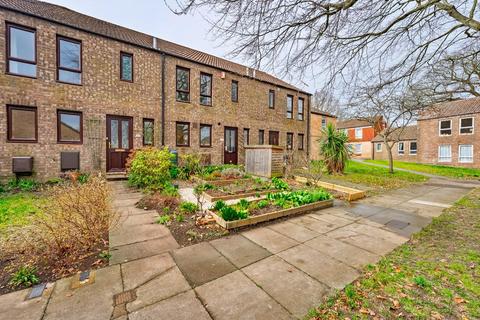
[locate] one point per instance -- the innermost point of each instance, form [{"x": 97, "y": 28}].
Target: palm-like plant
[{"x": 334, "y": 149}]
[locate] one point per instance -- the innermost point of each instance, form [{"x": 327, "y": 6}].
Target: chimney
[
  {"x": 247, "y": 70},
  {"x": 254, "y": 72},
  {"x": 154, "y": 44}
]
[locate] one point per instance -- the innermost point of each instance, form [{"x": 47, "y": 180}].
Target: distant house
[
  {"x": 318, "y": 121},
  {"x": 360, "y": 135},
  {"x": 405, "y": 149},
  {"x": 448, "y": 136}
]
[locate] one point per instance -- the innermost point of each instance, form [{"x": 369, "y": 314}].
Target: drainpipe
[
  {"x": 163, "y": 99},
  {"x": 308, "y": 128}
]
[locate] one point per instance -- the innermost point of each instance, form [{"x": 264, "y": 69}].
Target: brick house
[
  {"x": 448, "y": 136},
  {"x": 405, "y": 149},
  {"x": 75, "y": 87},
  {"x": 360, "y": 135},
  {"x": 318, "y": 121}
]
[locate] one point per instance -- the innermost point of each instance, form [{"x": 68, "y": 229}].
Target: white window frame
[
  {"x": 355, "y": 148},
  {"x": 459, "y": 154},
  {"x": 401, "y": 152},
  {"x": 440, "y": 128},
  {"x": 377, "y": 145},
  {"x": 460, "y": 126},
  {"x": 410, "y": 148},
  {"x": 324, "y": 122},
  {"x": 361, "y": 133},
  {"x": 445, "y": 160}
]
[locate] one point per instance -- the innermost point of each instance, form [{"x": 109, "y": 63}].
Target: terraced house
[{"x": 81, "y": 93}]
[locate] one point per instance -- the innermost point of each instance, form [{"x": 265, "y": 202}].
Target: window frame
[
  {"x": 237, "y": 91},
  {"x": 59, "y": 68},
  {"x": 439, "y": 148},
  {"x": 410, "y": 148},
  {"x": 261, "y": 133},
  {"x": 440, "y": 128},
  {"x": 355, "y": 133},
  {"x": 287, "y": 146},
  {"x": 302, "y": 114},
  {"x": 176, "y": 131},
  {"x": 127, "y": 54},
  {"x": 144, "y": 120},
  {"x": 377, "y": 149},
  {"x": 211, "y": 89},
  {"x": 355, "y": 148},
  {"x": 301, "y": 137},
  {"x": 289, "y": 114},
  {"x": 9, "y": 123},
  {"x": 176, "y": 84},
  {"x": 59, "y": 136},
  {"x": 401, "y": 151},
  {"x": 204, "y": 125},
  {"x": 324, "y": 122},
  {"x": 271, "y": 92},
  {"x": 459, "y": 153},
  {"x": 460, "y": 126},
  {"x": 275, "y": 133},
  {"x": 247, "y": 132},
  {"x": 8, "y": 26}
]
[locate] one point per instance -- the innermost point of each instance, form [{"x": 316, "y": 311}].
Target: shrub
[
  {"x": 169, "y": 189},
  {"x": 262, "y": 204},
  {"x": 188, "y": 207},
  {"x": 231, "y": 214},
  {"x": 279, "y": 184},
  {"x": 25, "y": 276},
  {"x": 232, "y": 173},
  {"x": 219, "y": 205},
  {"x": 149, "y": 168},
  {"x": 160, "y": 202},
  {"x": 334, "y": 149},
  {"x": 243, "y": 204},
  {"x": 83, "y": 177},
  {"x": 190, "y": 164}
]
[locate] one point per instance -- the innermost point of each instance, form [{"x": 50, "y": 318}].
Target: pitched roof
[
  {"x": 73, "y": 19},
  {"x": 353, "y": 123},
  {"x": 323, "y": 113},
  {"x": 407, "y": 133},
  {"x": 451, "y": 109}
]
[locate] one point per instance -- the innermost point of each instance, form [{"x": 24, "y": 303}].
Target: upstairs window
[
  {"x": 21, "y": 51},
  {"x": 300, "y": 141},
  {"x": 465, "y": 153},
  {"x": 246, "y": 136},
  {"x": 271, "y": 99},
  {"x": 69, "y": 60},
  {"x": 445, "y": 127},
  {"x": 182, "y": 134},
  {"x": 126, "y": 66},
  {"x": 413, "y": 147},
  {"x": 289, "y": 141},
  {"x": 205, "y": 135},
  {"x": 445, "y": 153},
  {"x": 206, "y": 89},
  {"x": 234, "y": 91},
  {"x": 401, "y": 148},
  {"x": 324, "y": 122},
  {"x": 69, "y": 127},
  {"x": 148, "y": 132},
  {"x": 358, "y": 133},
  {"x": 261, "y": 136},
  {"x": 300, "y": 109},
  {"x": 22, "y": 124},
  {"x": 289, "y": 107},
  {"x": 183, "y": 84},
  {"x": 466, "y": 126}
]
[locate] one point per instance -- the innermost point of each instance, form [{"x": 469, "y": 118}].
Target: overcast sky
[{"x": 154, "y": 18}]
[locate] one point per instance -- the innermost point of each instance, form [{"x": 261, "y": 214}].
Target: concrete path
[{"x": 278, "y": 271}]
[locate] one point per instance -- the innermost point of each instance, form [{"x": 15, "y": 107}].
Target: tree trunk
[{"x": 390, "y": 156}]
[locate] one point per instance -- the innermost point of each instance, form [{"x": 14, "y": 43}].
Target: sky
[{"x": 155, "y": 18}]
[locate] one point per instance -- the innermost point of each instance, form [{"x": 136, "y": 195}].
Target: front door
[
  {"x": 231, "y": 146},
  {"x": 119, "y": 142}
]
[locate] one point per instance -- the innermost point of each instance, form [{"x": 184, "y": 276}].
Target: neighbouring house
[
  {"x": 318, "y": 122},
  {"x": 406, "y": 147},
  {"x": 447, "y": 134},
  {"x": 81, "y": 93},
  {"x": 360, "y": 134}
]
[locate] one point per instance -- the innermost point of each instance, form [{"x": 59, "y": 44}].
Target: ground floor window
[
  {"x": 246, "y": 136},
  {"x": 465, "y": 153},
  {"x": 22, "y": 124},
  {"x": 358, "y": 148},
  {"x": 413, "y": 147},
  {"x": 445, "y": 153},
  {"x": 148, "y": 132},
  {"x": 300, "y": 141},
  {"x": 205, "y": 135},
  {"x": 401, "y": 148},
  {"x": 183, "y": 134},
  {"x": 273, "y": 138},
  {"x": 261, "y": 136},
  {"x": 289, "y": 141},
  {"x": 69, "y": 127},
  {"x": 378, "y": 147}
]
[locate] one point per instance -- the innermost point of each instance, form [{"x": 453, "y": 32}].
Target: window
[
  {"x": 300, "y": 109},
  {"x": 234, "y": 91},
  {"x": 183, "y": 84},
  {"x": 466, "y": 126},
  {"x": 206, "y": 89},
  {"x": 324, "y": 122},
  {"x": 401, "y": 148},
  {"x": 21, "y": 51},
  {"x": 22, "y": 124},
  {"x": 261, "y": 136},
  {"x": 413, "y": 147},
  {"x": 148, "y": 132},
  {"x": 273, "y": 138},
  {"x": 69, "y": 60},
  {"x": 378, "y": 147},
  {"x": 271, "y": 99},
  {"x": 183, "y": 134},
  {"x": 300, "y": 141},
  {"x": 289, "y": 141},
  {"x": 358, "y": 133},
  {"x": 465, "y": 153},
  {"x": 358, "y": 148},
  {"x": 289, "y": 107},
  {"x": 205, "y": 135},
  {"x": 445, "y": 127},
  {"x": 246, "y": 136},
  {"x": 69, "y": 127},
  {"x": 444, "y": 153},
  {"x": 126, "y": 66}
]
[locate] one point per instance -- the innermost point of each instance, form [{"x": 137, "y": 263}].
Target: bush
[
  {"x": 190, "y": 165},
  {"x": 25, "y": 185},
  {"x": 219, "y": 205},
  {"x": 25, "y": 276},
  {"x": 262, "y": 204},
  {"x": 279, "y": 184},
  {"x": 231, "y": 214},
  {"x": 232, "y": 173},
  {"x": 334, "y": 149},
  {"x": 188, "y": 207},
  {"x": 149, "y": 168}
]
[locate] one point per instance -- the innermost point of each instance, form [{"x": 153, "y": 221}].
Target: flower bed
[
  {"x": 276, "y": 205},
  {"x": 244, "y": 188}
]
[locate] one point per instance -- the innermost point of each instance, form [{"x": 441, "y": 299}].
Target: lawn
[
  {"x": 16, "y": 208},
  {"x": 433, "y": 276},
  {"x": 447, "y": 171},
  {"x": 375, "y": 177}
]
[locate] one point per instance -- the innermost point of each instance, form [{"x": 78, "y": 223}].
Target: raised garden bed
[
  {"x": 244, "y": 189},
  {"x": 349, "y": 194},
  {"x": 220, "y": 182}
]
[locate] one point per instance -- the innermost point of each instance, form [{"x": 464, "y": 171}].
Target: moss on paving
[{"x": 436, "y": 275}]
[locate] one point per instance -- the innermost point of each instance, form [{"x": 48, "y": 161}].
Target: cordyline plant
[{"x": 334, "y": 149}]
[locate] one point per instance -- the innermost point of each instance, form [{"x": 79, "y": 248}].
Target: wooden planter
[
  {"x": 236, "y": 196},
  {"x": 271, "y": 215},
  {"x": 219, "y": 182},
  {"x": 350, "y": 193}
]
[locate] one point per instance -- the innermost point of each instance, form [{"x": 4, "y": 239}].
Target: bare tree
[{"x": 324, "y": 100}]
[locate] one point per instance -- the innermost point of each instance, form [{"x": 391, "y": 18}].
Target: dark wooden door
[
  {"x": 119, "y": 142},
  {"x": 273, "y": 138},
  {"x": 230, "y": 156}
]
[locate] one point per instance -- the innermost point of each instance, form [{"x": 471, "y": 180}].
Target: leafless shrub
[{"x": 311, "y": 170}]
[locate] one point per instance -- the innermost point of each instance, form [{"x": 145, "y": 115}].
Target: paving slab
[
  {"x": 332, "y": 220},
  {"x": 294, "y": 231},
  {"x": 239, "y": 250},
  {"x": 14, "y": 306},
  {"x": 296, "y": 291},
  {"x": 363, "y": 209},
  {"x": 234, "y": 296},
  {"x": 444, "y": 195},
  {"x": 269, "y": 239},
  {"x": 376, "y": 232},
  {"x": 124, "y": 203},
  {"x": 202, "y": 263},
  {"x": 143, "y": 249},
  {"x": 138, "y": 272},
  {"x": 127, "y": 220},
  {"x": 324, "y": 268},
  {"x": 132, "y": 211},
  {"x": 91, "y": 301},
  {"x": 371, "y": 243},
  {"x": 166, "y": 285},
  {"x": 314, "y": 224},
  {"x": 124, "y": 235},
  {"x": 184, "y": 306}
]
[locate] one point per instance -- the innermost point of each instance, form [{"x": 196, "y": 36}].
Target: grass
[
  {"x": 16, "y": 208},
  {"x": 433, "y": 276},
  {"x": 377, "y": 178},
  {"x": 446, "y": 171}
]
